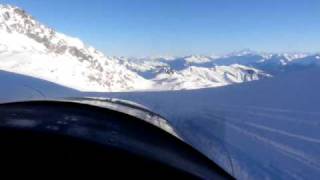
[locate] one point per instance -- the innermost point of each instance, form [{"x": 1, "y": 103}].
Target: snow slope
[
  {"x": 266, "y": 129},
  {"x": 271, "y": 62},
  {"x": 16, "y": 87},
  {"x": 255, "y": 130},
  {"x": 29, "y": 47},
  {"x": 198, "y": 77},
  {"x": 191, "y": 73},
  {"x": 194, "y": 72}
]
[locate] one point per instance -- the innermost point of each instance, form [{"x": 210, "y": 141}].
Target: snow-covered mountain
[
  {"x": 191, "y": 72},
  {"x": 198, "y": 77},
  {"x": 29, "y": 47},
  {"x": 271, "y": 63},
  {"x": 266, "y": 129}
]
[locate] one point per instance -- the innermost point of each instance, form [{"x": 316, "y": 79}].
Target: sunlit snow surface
[
  {"x": 264, "y": 129},
  {"x": 257, "y": 130}
]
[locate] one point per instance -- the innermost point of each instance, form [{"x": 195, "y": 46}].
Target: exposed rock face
[{"x": 95, "y": 71}]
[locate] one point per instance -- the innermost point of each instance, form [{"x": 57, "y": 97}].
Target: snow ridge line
[
  {"x": 313, "y": 140},
  {"x": 254, "y": 113},
  {"x": 284, "y": 149}
]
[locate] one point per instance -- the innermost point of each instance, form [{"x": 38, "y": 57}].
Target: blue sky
[{"x": 183, "y": 27}]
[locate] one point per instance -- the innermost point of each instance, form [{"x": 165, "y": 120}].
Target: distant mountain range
[{"x": 29, "y": 47}]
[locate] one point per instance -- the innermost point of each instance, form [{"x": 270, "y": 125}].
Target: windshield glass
[{"x": 237, "y": 80}]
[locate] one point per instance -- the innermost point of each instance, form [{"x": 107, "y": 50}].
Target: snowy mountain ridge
[
  {"x": 259, "y": 60},
  {"x": 28, "y": 47},
  {"x": 195, "y": 77},
  {"x": 31, "y": 48}
]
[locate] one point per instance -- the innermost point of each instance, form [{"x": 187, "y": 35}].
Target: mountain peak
[
  {"x": 242, "y": 52},
  {"x": 40, "y": 51},
  {"x": 197, "y": 59},
  {"x": 8, "y": 6},
  {"x": 13, "y": 18}
]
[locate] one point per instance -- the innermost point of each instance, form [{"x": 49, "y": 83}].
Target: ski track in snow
[
  {"x": 285, "y": 133},
  {"x": 244, "y": 127}
]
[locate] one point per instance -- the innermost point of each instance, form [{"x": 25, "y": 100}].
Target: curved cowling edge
[
  {"x": 130, "y": 108},
  {"x": 103, "y": 122}
]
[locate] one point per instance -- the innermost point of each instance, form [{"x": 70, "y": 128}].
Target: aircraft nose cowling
[{"x": 79, "y": 135}]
